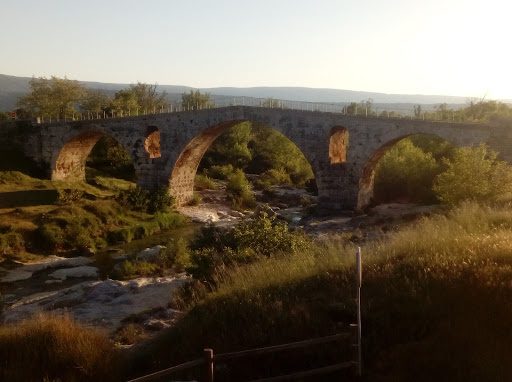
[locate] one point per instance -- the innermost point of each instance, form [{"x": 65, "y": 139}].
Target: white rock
[
  {"x": 16, "y": 275},
  {"x": 103, "y": 303},
  {"x": 150, "y": 254},
  {"x": 83, "y": 271}
]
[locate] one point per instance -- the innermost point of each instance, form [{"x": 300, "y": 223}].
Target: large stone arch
[
  {"x": 181, "y": 181},
  {"x": 367, "y": 172},
  {"x": 71, "y": 158}
]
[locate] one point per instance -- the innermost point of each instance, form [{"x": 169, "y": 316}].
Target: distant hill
[{"x": 11, "y": 88}]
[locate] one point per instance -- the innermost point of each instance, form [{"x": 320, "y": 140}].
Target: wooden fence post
[{"x": 208, "y": 365}]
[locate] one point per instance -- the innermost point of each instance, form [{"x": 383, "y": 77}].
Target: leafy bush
[
  {"x": 220, "y": 172},
  {"x": 204, "y": 182},
  {"x": 216, "y": 250},
  {"x": 473, "y": 174},
  {"x": 176, "y": 254},
  {"x": 238, "y": 191},
  {"x": 142, "y": 200}
]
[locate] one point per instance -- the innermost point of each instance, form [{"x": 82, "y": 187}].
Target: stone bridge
[{"x": 166, "y": 148}]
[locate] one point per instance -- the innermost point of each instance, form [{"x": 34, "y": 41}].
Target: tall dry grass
[
  {"x": 56, "y": 349},
  {"x": 436, "y": 302}
]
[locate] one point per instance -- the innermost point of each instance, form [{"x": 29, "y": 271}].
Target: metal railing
[{"x": 320, "y": 107}]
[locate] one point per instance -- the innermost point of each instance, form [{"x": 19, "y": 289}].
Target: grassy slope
[
  {"x": 435, "y": 303},
  {"x": 76, "y": 215}
]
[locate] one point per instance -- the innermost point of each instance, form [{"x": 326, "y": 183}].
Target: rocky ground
[{"x": 72, "y": 285}]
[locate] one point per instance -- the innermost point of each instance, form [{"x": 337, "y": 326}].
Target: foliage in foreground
[
  {"x": 473, "y": 174},
  {"x": 435, "y": 302},
  {"x": 55, "y": 349}
]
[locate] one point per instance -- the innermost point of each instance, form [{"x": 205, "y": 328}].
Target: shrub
[
  {"x": 11, "y": 243},
  {"x": 204, "y": 182},
  {"x": 405, "y": 172},
  {"x": 50, "y": 237},
  {"x": 69, "y": 195},
  {"x": 169, "y": 220},
  {"x": 473, "y": 174},
  {"x": 130, "y": 269},
  {"x": 238, "y": 191},
  {"x": 176, "y": 254},
  {"x": 138, "y": 199},
  {"x": 216, "y": 250},
  {"x": 273, "y": 177},
  {"x": 220, "y": 172},
  {"x": 123, "y": 235},
  {"x": 196, "y": 200}
]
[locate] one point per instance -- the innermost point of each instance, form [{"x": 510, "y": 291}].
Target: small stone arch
[
  {"x": 152, "y": 142},
  {"x": 71, "y": 160},
  {"x": 366, "y": 180},
  {"x": 338, "y": 144}
]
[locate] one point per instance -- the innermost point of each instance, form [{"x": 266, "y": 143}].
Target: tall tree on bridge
[
  {"x": 148, "y": 99},
  {"x": 195, "y": 100},
  {"x": 54, "y": 97}
]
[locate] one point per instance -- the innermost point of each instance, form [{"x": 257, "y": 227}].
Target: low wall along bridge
[{"x": 166, "y": 148}]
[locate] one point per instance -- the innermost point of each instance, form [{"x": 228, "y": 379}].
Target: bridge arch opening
[
  {"x": 152, "y": 142},
  {"x": 92, "y": 154},
  {"x": 229, "y": 146},
  {"x": 403, "y": 170},
  {"x": 338, "y": 144}
]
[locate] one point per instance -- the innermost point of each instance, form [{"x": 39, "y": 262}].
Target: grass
[
  {"x": 56, "y": 349},
  {"x": 45, "y": 216},
  {"x": 435, "y": 303}
]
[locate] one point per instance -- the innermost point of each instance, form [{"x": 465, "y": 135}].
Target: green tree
[
  {"x": 351, "y": 109},
  {"x": 148, "y": 98},
  {"x": 125, "y": 102},
  {"x": 230, "y": 148},
  {"x": 272, "y": 150},
  {"x": 417, "y": 111},
  {"x": 473, "y": 174},
  {"x": 195, "y": 100},
  {"x": 54, "y": 97},
  {"x": 96, "y": 101}
]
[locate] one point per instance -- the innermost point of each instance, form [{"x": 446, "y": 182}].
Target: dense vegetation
[{"x": 427, "y": 169}]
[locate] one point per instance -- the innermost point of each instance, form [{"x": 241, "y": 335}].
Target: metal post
[{"x": 359, "y": 283}]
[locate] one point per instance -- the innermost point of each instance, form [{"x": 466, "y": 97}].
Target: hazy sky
[{"x": 449, "y": 47}]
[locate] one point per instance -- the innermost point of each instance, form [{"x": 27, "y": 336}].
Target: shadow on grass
[{"x": 28, "y": 198}]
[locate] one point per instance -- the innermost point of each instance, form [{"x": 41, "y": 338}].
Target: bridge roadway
[{"x": 166, "y": 148}]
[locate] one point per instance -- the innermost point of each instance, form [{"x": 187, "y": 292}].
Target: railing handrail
[
  {"x": 275, "y": 348},
  {"x": 163, "y": 373}
]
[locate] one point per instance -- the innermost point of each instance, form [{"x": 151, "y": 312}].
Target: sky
[{"x": 434, "y": 47}]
